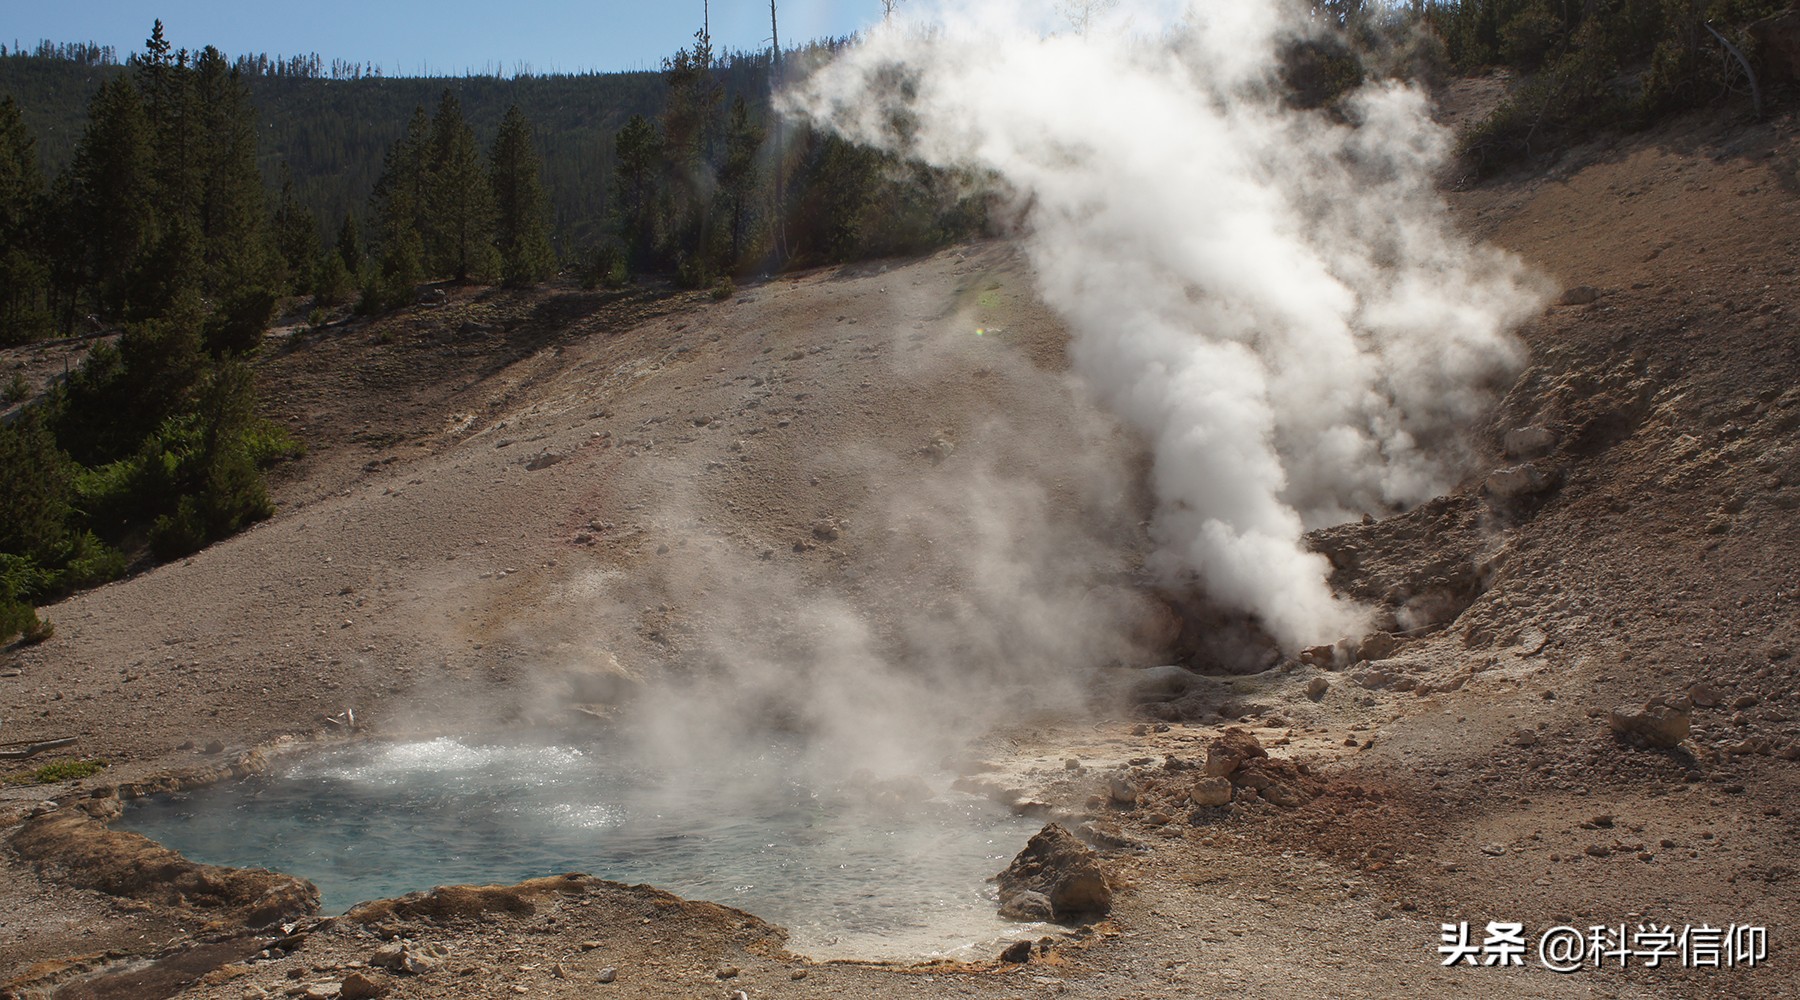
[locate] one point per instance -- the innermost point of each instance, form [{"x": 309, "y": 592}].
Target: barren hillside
[{"x": 509, "y": 495}]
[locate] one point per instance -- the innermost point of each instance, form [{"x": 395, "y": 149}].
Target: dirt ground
[{"x": 476, "y": 470}]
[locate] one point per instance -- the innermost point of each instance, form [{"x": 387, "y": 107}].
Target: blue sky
[{"x": 407, "y": 37}]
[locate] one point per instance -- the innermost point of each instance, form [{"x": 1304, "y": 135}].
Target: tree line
[{"x": 159, "y": 227}]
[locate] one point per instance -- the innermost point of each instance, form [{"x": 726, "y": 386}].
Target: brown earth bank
[{"x": 507, "y": 490}]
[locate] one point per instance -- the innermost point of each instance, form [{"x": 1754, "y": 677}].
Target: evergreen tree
[
  {"x": 639, "y": 156},
  {"x": 459, "y": 242},
  {"x": 296, "y": 239},
  {"x": 738, "y": 180},
  {"x": 521, "y": 227},
  {"x": 34, "y": 493},
  {"x": 398, "y": 204},
  {"x": 690, "y": 130},
  {"x": 233, "y": 207},
  {"x": 24, "y": 274},
  {"x": 349, "y": 245},
  {"x": 113, "y": 192}
]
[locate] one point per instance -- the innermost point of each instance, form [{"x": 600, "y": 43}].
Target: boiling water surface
[{"x": 857, "y": 869}]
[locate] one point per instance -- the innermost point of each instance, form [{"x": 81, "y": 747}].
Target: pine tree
[
  {"x": 738, "y": 178},
  {"x": 113, "y": 191},
  {"x": 639, "y": 153},
  {"x": 521, "y": 228},
  {"x": 233, "y": 207},
  {"x": 349, "y": 245},
  {"x": 24, "y": 273},
  {"x": 459, "y": 242},
  {"x": 690, "y": 131},
  {"x": 296, "y": 239},
  {"x": 398, "y": 204}
]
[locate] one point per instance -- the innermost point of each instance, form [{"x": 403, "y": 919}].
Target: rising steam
[{"x": 1276, "y": 299}]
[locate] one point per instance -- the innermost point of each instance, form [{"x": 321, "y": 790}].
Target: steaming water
[{"x": 852, "y": 871}]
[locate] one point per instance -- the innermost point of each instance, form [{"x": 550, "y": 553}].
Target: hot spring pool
[{"x": 852, "y": 869}]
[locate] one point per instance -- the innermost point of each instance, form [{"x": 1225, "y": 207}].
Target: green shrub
[
  {"x": 725, "y": 289},
  {"x": 61, "y": 770},
  {"x": 17, "y": 618},
  {"x": 16, "y": 390}
]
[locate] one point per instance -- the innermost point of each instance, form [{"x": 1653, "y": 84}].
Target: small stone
[
  {"x": 1529, "y": 442},
  {"x": 1377, "y": 646},
  {"x": 1580, "y": 295},
  {"x": 1018, "y": 952},
  {"x": 589, "y": 945},
  {"x": 1317, "y": 688},
  {"x": 726, "y": 972},
  {"x": 1519, "y": 481},
  {"x": 1493, "y": 850},
  {"x": 1071, "y": 764},
  {"x": 608, "y": 974},
  {"x": 797, "y": 975},
  {"x": 1027, "y": 907},
  {"x": 1123, "y": 791},
  {"x": 1706, "y": 695},
  {"x": 1599, "y": 850},
  {"x": 358, "y": 986},
  {"x": 1212, "y": 790}
]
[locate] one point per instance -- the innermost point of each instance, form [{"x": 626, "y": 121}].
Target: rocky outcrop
[
  {"x": 1061, "y": 869},
  {"x": 1656, "y": 724},
  {"x": 1230, "y": 750},
  {"x": 76, "y": 841}
]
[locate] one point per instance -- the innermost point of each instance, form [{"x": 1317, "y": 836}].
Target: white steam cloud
[{"x": 1276, "y": 299}]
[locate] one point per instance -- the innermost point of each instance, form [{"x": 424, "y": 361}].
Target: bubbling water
[{"x": 857, "y": 870}]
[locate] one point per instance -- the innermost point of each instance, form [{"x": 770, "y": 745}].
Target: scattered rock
[
  {"x": 1323, "y": 657},
  {"x": 415, "y": 958},
  {"x": 726, "y": 972},
  {"x": 1230, "y": 750},
  {"x": 589, "y": 945},
  {"x": 1529, "y": 442},
  {"x": 1657, "y": 724},
  {"x": 1378, "y": 646},
  {"x": 1317, "y": 688},
  {"x": 1212, "y": 790},
  {"x": 543, "y": 460},
  {"x": 1018, "y": 952},
  {"x": 607, "y": 974},
  {"x": 1122, "y": 790},
  {"x": 1062, "y": 869},
  {"x": 359, "y": 986},
  {"x": 1580, "y": 295},
  {"x": 827, "y": 531},
  {"x": 1706, "y": 695},
  {"x": 1028, "y": 907},
  {"x": 1519, "y": 481}
]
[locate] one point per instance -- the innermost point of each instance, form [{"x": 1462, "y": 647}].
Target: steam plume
[{"x": 1275, "y": 299}]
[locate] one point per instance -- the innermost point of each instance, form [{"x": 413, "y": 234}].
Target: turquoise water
[{"x": 854, "y": 870}]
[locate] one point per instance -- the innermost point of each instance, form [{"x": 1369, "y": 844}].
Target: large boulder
[
  {"x": 1064, "y": 871},
  {"x": 1656, "y": 724},
  {"x": 1230, "y": 750}
]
